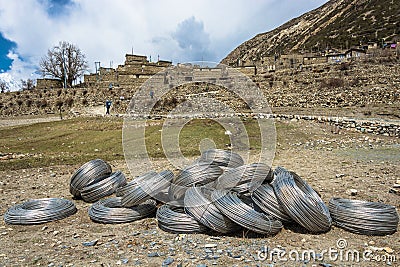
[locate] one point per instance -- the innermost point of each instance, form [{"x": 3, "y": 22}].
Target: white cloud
[{"x": 106, "y": 30}]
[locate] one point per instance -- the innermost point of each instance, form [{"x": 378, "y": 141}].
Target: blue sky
[{"x": 105, "y": 30}]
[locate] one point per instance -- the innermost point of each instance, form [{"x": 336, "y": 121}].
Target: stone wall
[{"x": 47, "y": 83}]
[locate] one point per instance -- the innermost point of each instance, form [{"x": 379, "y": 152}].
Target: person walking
[{"x": 108, "y": 106}]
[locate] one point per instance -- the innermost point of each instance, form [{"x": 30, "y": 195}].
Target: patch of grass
[
  {"x": 75, "y": 141},
  {"x": 191, "y": 135},
  {"x": 70, "y": 141}
]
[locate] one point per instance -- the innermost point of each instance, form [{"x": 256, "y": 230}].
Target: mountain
[{"x": 338, "y": 24}]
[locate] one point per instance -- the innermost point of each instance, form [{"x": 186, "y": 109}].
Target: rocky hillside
[{"x": 337, "y": 24}]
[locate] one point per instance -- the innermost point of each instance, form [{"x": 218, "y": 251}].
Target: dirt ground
[{"x": 331, "y": 163}]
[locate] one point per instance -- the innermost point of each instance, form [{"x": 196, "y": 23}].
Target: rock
[
  {"x": 340, "y": 175},
  {"x": 388, "y": 250},
  {"x": 153, "y": 254},
  {"x": 396, "y": 185},
  {"x": 352, "y": 192},
  {"x": 167, "y": 261},
  {"x": 394, "y": 191},
  {"x": 210, "y": 245},
  {"x": 53, "y": 175},
  {"x": 90, "y": 243}
]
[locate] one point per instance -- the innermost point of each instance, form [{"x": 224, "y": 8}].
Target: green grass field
[{"x": 78, "y": 140}]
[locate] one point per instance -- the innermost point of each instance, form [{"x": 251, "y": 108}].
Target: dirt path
[{"x": 26, "y": 121}]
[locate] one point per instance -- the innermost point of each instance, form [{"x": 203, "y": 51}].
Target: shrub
[
  {"x": 59, "y": 103},
  {"x": 332, "y": 83},
  {"x": 28, "y": 103},
  {"x": 69, "y": 101}
]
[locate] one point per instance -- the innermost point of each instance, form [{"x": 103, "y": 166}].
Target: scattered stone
[
  {"x": 153, "y": 254},
  {"x": 394, "y": 191},
  {"x": 53, "y": 175},
  {"x": 396, "y": 186},
  {"x": 388, "y": 250},
  {"x": 340, "y": 175},
  {"x": 352, "y": 192},
  {"x": 124, "y": 261},
  {"x": 90, "y": 243},
  {"x": 210, "y": 245},
  {"x": 167, "y": 261}
]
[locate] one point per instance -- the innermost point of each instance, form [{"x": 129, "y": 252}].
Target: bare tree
[
  {"x": 3, "y": 86},
  {"x": 64, "y": 61},
  {"x": 28, "y": 84}
]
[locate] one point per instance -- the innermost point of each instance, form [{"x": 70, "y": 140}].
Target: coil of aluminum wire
[
  {"x": 239, "y": 212},
  {"x": 122, "y": 190},
  {"x": 222, "y": 157},
  {"x": 87, "y": 173},
  {"x": 147, "y": 188},
  {"x": 198, "y": 174},
  {"x": 301, "y": 202},
  {"x": 264, "y": 197},
  {"x": 245, "y": 178},
  {"x": 173, "y": 219},
  {"x": 111, "y": 211},
  {"x": 103, "y": 187},
  {"x": 198, "y": 204},
  {"x": 362, "y": 217},
  {"x": 38, "y": 211}
]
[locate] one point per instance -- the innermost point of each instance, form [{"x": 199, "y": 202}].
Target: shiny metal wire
[
  {"x": 103, "y": 187},
  {"x": 222, "y": 157},
  {"x": 197, "y": 174},
  {"x": 245, "y": 178},
  {"x": 122, "y": 190},
  {"x": 87, "y": 173},
  {"x": 37, "y": 211},
  {"x": 147, "y": 188},
  {"x": 173, "y": 219},
  {"x": 301, "y": 202},
  {"x": 198, "y": 204},
  {"x": 239, "y": 212},
  {"x": 362, "y": 217},
  {"x": 264, "y": 197},
  {"x": 111, "y": 211}
]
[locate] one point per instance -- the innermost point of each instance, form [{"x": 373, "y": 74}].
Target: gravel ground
[{"x": 331, "y": 164}]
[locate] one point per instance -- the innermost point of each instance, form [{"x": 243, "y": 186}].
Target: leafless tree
[
  {"x": 64, "y": 61},
  {"x": 3, "y": 86}
]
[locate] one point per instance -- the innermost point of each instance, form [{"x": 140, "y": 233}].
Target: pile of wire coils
[
  {"x": 37, "y": 211},
  {"x": 217, "y": 192},
  {"x": 95, "y": 180}
]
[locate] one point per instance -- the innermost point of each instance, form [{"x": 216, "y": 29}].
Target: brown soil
[{"x": 330, "y": 163}]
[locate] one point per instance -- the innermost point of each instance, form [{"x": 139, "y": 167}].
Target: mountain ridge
[{"x": 336, "y": 24}]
